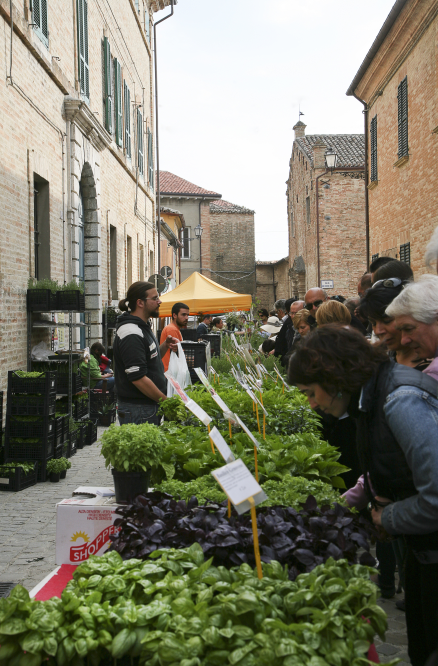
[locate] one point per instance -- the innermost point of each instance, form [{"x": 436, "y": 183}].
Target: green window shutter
[
  {"x": 405, "y": 253},
  {"x": 84, "y": 71},
  {"x": 127, "y": 102},
  {"x": 402, "y": 97},
  {"x": 118, "y": 113},
  {"x": 140, "y": 152},
  {"x": 373, "y": 142},
  {"x": 40, "y": 20},
  {"x": 107, "y": 76},
  {"x": 150, "y": 159}
]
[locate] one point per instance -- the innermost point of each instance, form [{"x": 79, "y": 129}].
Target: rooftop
[
  {"x": 172, "y": 211},
  {"x": 269, "y": 263},
  {"x": 156, "y": 5},
  {"x": 350, "y": 148},
  {"x": 221, "y": 206},
  {"x": 173, "y": 185}
]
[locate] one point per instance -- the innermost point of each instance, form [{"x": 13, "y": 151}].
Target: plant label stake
[
  {"x": 224, "y": 450},
  {"x": 218, "y": 400},
  {"x": 191, "y": 405},
  {"x": 242, "y": 489},
  {"x": 254, "y": 441}
]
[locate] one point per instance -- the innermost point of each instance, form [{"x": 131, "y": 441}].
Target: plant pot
[
  {"x": 105, "y": 420},
  {"x": 128, "y": 485},
  {"x": 54, "y": 478},
  {"x": 63, "y": 474}
]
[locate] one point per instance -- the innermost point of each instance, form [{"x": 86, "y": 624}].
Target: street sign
[
  {"x": 159, "y": 282},
  {"x": 327, "y": 284},
  {"x": 166, "y": 271}
]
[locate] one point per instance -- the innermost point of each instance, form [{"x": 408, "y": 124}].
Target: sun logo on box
[{"x": 80, "y": 535}]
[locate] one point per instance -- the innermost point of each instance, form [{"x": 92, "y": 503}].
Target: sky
[{"x": 232, "y": 76}]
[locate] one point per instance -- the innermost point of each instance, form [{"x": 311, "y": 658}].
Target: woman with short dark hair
[{"x": 396, "y": 409}]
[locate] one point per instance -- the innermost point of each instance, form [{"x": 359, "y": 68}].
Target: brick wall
[
  {"x": 403, "y": 202},
  {"x": 32, "y": 124},
  {"x": 341, "y": 226}
]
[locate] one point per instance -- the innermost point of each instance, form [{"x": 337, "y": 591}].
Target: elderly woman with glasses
[{"x": 396, "y": 409}]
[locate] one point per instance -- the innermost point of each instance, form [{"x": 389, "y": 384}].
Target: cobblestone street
[{"x": 28, "y": 531}]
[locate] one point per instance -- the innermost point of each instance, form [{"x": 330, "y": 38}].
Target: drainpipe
[
  {"x": 156, "y": 137},
  {"x": 367, "y": 210},
  {"x": 317, "y": 224},
  {"x": 64, "y": 247}
]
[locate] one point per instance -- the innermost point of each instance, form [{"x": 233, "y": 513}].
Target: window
[
  {"x": 128, "y": 261},
  {"x": 150, "y": 160},
  {"x": 39, "y": 19},
  {"x": 127, "y": 104},
  {"x": 108, "y": 100},
  {"x": 147, "y": 26},
  {"x": 402, "y": 96},
  {"x": 118, "y": 112},
  {"x": 141, "y": 262},
  {"x": 308, "y": 210},
  {"x": 113, "y": 262},
  {"x": 374, "y": 257},
  {"x": 84, "y": 72},
  {"x": 405, "y": 253},
  {"x": 373, "y": 142},
  {"x": 41, "y": 227},
  {"x": 185, "y": 239},
  {"x": 151, "y": 263},
  {"x": 140, "y": 153}
]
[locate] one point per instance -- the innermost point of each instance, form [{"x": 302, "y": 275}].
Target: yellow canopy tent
[{"x": 202, "y": 295}]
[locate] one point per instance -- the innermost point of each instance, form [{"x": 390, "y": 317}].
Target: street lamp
[
  {"x": 331, "y": 158},
  {"x": 198, "y": 231}
]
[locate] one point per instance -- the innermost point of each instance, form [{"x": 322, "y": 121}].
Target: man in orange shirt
[{"x": 180, "y": 315}]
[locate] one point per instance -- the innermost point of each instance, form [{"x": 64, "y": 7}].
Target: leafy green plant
[
  {"x": 178, "y": 609},
  {"x": 133, "y": 448},
  {"x": 107, "y": 408},
  {"x": 44, "y": 283},
  {"x": 8, "y": 469},
  {"x": 72, "y": 286},
  {"x": 56, "y": 466},
  {"x": 28, "y": 375}
]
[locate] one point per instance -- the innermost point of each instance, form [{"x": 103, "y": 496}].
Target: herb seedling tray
[
  {"x": 45, "y": 384},
  {"x": 41, "y": 300},
  {"x": 18, "y": 480},
  {"x": 31, "y": 429},
  {"x": 35, "y": 405},
  {"x": 70, "y": 301},
  {"x": 35, "y": 450}
]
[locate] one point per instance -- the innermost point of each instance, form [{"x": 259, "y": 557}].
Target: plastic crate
[
  {"x": 189, "y": 334},
  {"x": 19, "y": 480},
  {"x": 33, "y": 429},
  {"x": 43, "y": 449},
  {"x": 70, "y": 301},
  {"x": 91, "y": 435},
  {"x": 59, "y": 430},
  {"x": 42, "y": 469},
  {"x": 196, "y": 357},
  {"x": 40, "y": 300},
  {"x": 76, "y": 384},
  {"x": 32, "y": 405},
  {"x": 215, "y": 341},
  {"x": 61, "y": 450},
  {"x": 72, "y": 444},
  {"x": 45, "y": 385}
]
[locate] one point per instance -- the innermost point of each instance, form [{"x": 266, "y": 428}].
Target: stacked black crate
[{"x": 30, "y": 419}]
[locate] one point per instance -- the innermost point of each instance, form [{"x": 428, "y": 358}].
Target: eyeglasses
[
  {"x": 315, "y": 304},
  {"x": 390, "y": 283},
  {"x": 154, "y": 298}
]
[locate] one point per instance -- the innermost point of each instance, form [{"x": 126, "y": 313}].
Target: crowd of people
[{"x": 369, "y": 367}]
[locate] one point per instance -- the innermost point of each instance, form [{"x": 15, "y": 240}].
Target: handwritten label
[
  {"x": 182, "y": 394},
  {"x": 239, "y": 485},
  {"x": 247, "y": 431},
  {"x": 221, "y": 445},
  {"x": 218, "y": 400}
]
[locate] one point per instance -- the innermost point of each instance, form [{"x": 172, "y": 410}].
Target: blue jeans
[
  {"x": 134, "y": 413},
  {"x": 109, "y": 384}
]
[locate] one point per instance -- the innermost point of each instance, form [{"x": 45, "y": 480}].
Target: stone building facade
[
  {"x": 326, "y": 213},
  {"x": 273, "y": 282},
  {"x": 226, "y": 250},
  {"x": 398, "y": 83},
  {"x": 172, "y": 223},
  {"x": 76, "y": 155}
]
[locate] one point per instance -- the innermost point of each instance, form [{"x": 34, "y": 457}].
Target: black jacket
[{"x": 136, "y": 355}]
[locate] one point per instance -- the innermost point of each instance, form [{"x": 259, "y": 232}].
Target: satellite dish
[
  {"x": 166, "y": 271},
  {"x": 159, "y": 282}
]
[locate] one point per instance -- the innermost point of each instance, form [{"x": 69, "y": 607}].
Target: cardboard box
[{"x": 83, "y": 527}]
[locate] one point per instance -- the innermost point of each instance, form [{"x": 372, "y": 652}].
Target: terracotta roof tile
[
  {"x": 171, "y": 184},
  {"x": 350, "y": 148},
  {"x": 221, "y": 206}
]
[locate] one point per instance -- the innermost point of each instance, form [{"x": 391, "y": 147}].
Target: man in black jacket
[{"x": 138, "y": 368}]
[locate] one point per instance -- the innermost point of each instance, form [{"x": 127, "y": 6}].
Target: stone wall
[{"x": 272, "y": 282}]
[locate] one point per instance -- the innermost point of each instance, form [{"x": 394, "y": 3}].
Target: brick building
[
  {"x": 226, "y": 250},
  {"x": 76, "y": 154},
  {"x": 326, "y": 213},
  {"x": 398, "y": 84},
  {"x": 272, "y": 282}
]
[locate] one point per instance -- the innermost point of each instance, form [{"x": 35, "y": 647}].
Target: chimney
[
  {"x": 300, "y": 130},
  {"x": 319, "y": 149}
]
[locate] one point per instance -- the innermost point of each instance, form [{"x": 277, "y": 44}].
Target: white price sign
[
  {"x": 221, "y": 445},
  {"x": 218, "y": 400},
  {"x": 239, "y": 485},
  {"x": 247, "y": 431}
]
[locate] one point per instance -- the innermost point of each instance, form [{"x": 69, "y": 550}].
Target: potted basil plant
[
  {"x": 67, "y": 465},
  {"x": 134, "y": 452},
  {"x": 54, "y": 469}
]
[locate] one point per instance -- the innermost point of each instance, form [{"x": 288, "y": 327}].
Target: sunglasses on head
[
  {"x": 390, "y": 283},
  {"x": 315, "y": 304}
]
